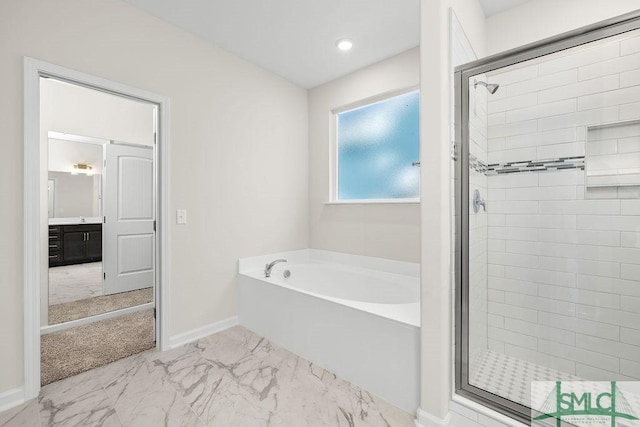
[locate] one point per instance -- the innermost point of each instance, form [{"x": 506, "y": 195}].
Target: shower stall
[{"x": 547, "y": 261}]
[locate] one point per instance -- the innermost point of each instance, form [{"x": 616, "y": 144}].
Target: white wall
[
  {"x": 80, "y": 111},
  {"x": 378, "y": 230},
  {"x": 539, "y": 19},
  {"x": 239, "y": 150},
  {"x": 64, "y": 154},
  {"x": 564, "y": 285}
]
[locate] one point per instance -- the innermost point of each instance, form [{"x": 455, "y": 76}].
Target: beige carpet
[
  {"x": 72, "y": 351},
  {"x": 73, "y": 310}
]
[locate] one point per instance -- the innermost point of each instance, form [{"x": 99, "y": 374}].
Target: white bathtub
[{"x": 358, "y": 317}]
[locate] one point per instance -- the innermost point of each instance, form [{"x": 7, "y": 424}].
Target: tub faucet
[{"x": 268, "y": 267}]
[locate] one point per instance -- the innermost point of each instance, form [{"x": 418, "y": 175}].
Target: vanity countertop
[{"x": 75, "y": 221}]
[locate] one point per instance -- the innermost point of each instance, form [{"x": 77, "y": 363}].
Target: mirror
[{"x": 75, "y": 179}]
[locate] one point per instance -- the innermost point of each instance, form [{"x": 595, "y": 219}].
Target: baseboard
[
  {"x": 11, "y": 398},
  {"x": 425, "y": 419},
  {"x": 203, "y": 331}
]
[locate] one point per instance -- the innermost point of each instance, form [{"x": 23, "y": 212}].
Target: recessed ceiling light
[{"x": 344, "y": 44}]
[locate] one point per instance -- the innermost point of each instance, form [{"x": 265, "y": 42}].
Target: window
[{"x": 378, "y": 145}]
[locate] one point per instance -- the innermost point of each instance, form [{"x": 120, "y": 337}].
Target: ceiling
[{"x": 296, "y": 38}]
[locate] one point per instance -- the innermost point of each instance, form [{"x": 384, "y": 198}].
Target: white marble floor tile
[
  {"x": 233, "y": 378},
  {"x": 25, "y": 415}
]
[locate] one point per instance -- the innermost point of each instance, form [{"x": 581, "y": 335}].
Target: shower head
[{"x": 491, "y": 87}]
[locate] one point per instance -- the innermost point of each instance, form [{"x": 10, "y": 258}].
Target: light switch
[{"x": 181, "y": 216}]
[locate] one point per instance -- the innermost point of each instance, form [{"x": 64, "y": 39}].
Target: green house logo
[{"x": 601, "y": 407}]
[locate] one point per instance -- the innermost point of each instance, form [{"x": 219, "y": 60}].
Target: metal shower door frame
[{"x": 462, "y": 76}]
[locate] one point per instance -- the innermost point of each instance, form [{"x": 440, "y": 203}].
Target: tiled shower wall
[{"x": 564, "y": 269}]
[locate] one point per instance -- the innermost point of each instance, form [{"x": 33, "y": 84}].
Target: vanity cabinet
[{"x": 74, "y": 244}]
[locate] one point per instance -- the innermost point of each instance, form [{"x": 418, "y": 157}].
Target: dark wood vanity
[{"x": 74, "y": 244}]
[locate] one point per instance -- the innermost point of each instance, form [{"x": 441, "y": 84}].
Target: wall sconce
[{"x": 82, "y": 168}]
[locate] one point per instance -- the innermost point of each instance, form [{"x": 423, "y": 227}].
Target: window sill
[{"x": 375, "y": 202}]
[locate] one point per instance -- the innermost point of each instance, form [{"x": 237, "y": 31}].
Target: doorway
[{"x": 109, "y": 235}]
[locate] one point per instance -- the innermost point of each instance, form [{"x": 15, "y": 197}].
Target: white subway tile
[
  {"x": 584, "y": 356},
  {"x": 522, "y": 247},
  {"x": 486, "y": 421},
  {"x": 580, "y": 207},
  {"x": 571, "y": 265},
  {"x": 630, "y": 240},
  {"x": 511, "y": 285},
  {"x": 612, "y": 66},
  {"x": 632, "y": 192},
  {"x": 630, "y": 78},
  {"x": 630, "y": 336},
  {"x": 463, "y": 410},
  {"x": 615, "y": 286},
  {"x": 630, "y": 272},
  {"x": 631, "y": 304},
  {"x": 542, "y": 82},
  {"x": 496, "y": 144},
  {"x": 541, "y": 276},
  {"x": 511, "y": 103},
  {"x": 630, "y": 207},
  {"x": 514, "y": 75},
  {"x": 514, "y": 338},
  {"x": 591, "y": 373},
  {"x": 540, "y": 304},
  {"x": 600, "y": 193},
  {"x": 509, "y": 156},
  {"x": 610, "y": 347},
  {"x": 538, "y": 111},
  {"x": 507, "y": 310},
  {"x": 556, "y": 151},
  {"x": 517, "y": 260},
  {"x": 541, "y": 138},
  {"x": 630, "y": 111},
  {"x": 496, "y": 119},
  {"x": 605, "y": 99},
  {"x": 587, "y": 117},
  {"x": 513, "y": 233},
  {"x": 496, "y": 245},
  {"x": 578, "y": 57},
  {"x": 568, "y": 177},
  {"x": 575, "y": 90},
  {"x": 459, "y": 420},
  {"x": 599, "y": 299},
  {"x": 608, "y": 146},
  {"x": 629, "y": 145},
  {"x": 551, "y": 221},
  {"x": 519, "y": 128},
  {"x": 615, "y": 132},
  {"x": 497, "y": 346},
  {"x": 582, "y": 326},
  {"x": 559, "y": 363},
  {"x": 604, "y": 222},
  {"x": 630, "y": 46},
  {"x": 613, "y": 162},
  {"x": 630, "y": 368},
  {"x": 540, "y": 331},
  {"x": 606, "y": 315},
  {"x": 495, "y": 271},
  {"x": 514, "y": 207},
  {"x": 558, "y": 292},
  {"x": 495, "y": 320},
  {"x": 581, "y": 237},
  {"x": 496, "y": 220},
  {"x": 541, "y": 193},
  {"x": 517, "y": 180}
]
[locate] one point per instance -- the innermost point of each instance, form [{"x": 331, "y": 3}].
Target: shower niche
[{"x": 613, "y": 157}]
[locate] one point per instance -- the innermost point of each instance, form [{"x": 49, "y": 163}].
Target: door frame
[{"x": 35, "y": 212}]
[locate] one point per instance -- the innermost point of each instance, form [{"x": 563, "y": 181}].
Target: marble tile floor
[
  {"x": 233, "y": 378},
  {"x": 74, "y": 282}
]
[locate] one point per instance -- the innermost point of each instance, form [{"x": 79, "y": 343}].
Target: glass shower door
[{"x": 549, "y": 286}]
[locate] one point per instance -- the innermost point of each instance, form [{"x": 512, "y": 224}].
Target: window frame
[{"x": 334, "y": 150}]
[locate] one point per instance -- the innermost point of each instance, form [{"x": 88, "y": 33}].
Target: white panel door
[{"x": 129, "y": 210}]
